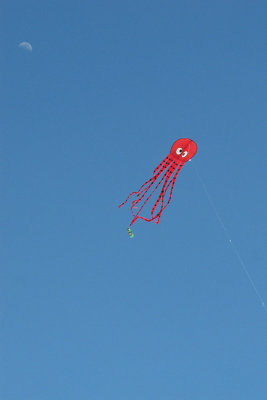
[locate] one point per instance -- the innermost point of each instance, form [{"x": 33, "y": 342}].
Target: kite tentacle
[
  {"x": 146, "y": 200},
  {"x": 156, "y": 218},
  {"x": 166, "y": 176},
  {"x": 160, "y": 168},
  {"x": 164, "y": 164},
  {"x": 167, "y": 160},
  {"x": 163, "y": 193}
]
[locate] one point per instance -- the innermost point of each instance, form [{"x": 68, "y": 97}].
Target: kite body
[{"x": 164, "y": 177}]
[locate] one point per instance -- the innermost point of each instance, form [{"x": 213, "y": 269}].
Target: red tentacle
[
  {"x": 168, "y": 166},
  {"x": 167, "y": 160},
  {"x": 166, "y": 177},
  {"x": 140, "y": 198},
  {"x": 163, "y": 193},
  {"x": 164, "y": 164},
  {"x": 172, "y": 182},
  {"x": 171, "y": 170}
]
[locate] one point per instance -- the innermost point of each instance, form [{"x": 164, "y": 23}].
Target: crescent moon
[{"x": 26, "y": 46}]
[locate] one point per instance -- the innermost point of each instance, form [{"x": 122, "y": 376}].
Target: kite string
[{"x": 227, "y": 235}]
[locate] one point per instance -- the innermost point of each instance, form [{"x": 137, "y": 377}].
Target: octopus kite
[{"x": 164, "y": 177}]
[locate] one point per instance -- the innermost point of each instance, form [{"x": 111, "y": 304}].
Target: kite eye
[
  {"x": 179, "y": 150},
  {"x": 184, "y": 153}
]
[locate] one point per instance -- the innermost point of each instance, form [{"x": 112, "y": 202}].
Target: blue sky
[{"x": 87, "y": 313}]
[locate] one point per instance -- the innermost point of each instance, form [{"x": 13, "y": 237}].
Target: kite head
[{"x": 183, "y": 150}]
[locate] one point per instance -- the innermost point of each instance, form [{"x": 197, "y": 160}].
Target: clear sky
[{"x": 87, "y": 313}]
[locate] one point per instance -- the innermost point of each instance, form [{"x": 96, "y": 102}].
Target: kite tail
[
  {"x": 144, "y": 188},
  {"x": 163, "y": 192},
  {"x": 166, "y": 161},
  {"x": 166, "y": 176},
  {"x": 130, "y": 233}
]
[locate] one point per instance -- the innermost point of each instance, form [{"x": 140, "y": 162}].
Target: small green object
[{"x": 130, "y": 233}]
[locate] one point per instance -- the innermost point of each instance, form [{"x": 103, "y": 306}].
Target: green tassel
[{"x": 130, "y": 233}]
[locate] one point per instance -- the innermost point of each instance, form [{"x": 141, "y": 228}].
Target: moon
[{"x": 26, "y": 46}]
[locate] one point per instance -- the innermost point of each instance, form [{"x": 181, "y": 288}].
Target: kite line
[{"x": 228, "y": 237}]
